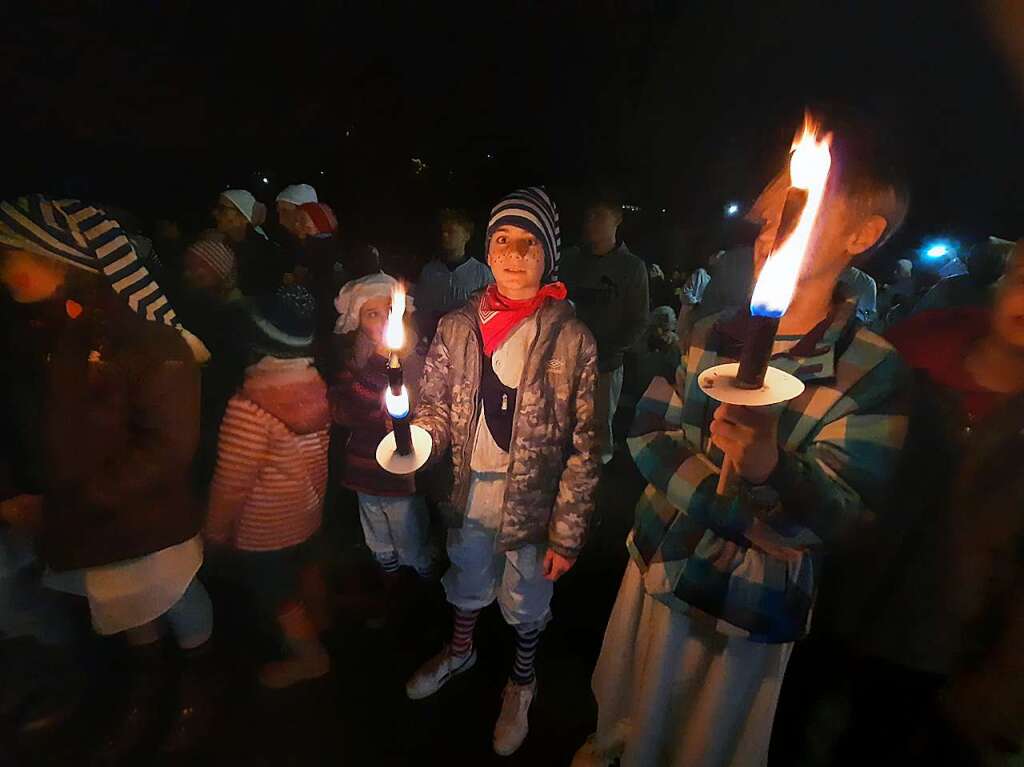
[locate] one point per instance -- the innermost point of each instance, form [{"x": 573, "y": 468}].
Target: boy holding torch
[
  {"x": 719, "y": 587},
  {"x": 508, "y": 388}
]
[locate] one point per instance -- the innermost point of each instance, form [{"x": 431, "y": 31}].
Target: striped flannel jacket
[{"x": 746, "y": 562}]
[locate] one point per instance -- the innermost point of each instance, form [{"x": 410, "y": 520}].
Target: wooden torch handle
[{"x": 725, "y": 476}]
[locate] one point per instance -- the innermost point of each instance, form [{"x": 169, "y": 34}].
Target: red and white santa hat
[{"x": 323, "y": 218}]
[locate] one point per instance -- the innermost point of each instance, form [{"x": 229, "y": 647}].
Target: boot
[
  {"x": 308, "y": 658},
  {"x": 196, "y": 702},
  {"x": 141, "y": 706}
]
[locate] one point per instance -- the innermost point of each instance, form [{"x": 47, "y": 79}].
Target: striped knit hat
[
  {"x": 531, "y": 209},
  {"x": 87, "y": 238},
  {"x": 216, "y": 255}
]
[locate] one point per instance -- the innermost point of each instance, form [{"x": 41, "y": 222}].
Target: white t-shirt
[{"x": 508, "y": 361}]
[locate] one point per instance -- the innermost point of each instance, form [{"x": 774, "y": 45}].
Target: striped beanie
[
  {"x": 216, "y": 255},
  {"x": 323, "y": 218},
  {"x": 87, "y": 238},
  {"x": 531, "y": 209}
]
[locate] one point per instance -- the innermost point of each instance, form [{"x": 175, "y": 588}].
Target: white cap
[{"x": 297, "y": 194}]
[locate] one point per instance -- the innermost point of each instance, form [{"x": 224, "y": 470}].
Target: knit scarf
[{"x": 500, "y": 315}]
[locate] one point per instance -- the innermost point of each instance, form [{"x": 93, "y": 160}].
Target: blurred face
[
  {"x": 516, "y": 258},
  {"x": 227, "y": 217},
  {"x": 30, "y": 278},
  {"x": 453, "y": 237},
  {"x": 373, "y": 317},
  {"x": 1008, "y": 312},
  {"x": 841, "y": 231},
  {"x": 288, "y": 215},
  {"x": 600, "y": 225},
  {"x": 199, "y": 276}
]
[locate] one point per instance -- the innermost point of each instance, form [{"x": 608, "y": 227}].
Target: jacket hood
[{"x": 291, "y": 390}]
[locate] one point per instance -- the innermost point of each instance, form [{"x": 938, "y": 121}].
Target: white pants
[
  {"x": 478, "y": 574},
  {"x": 606, "y": 402},
  {"x": 673, "y": 692},
  {"x": 397, "y": 527}
]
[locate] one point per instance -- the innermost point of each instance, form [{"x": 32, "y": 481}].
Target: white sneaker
[
  {"x": 513, "y": 725},
  {"x": 436, "y": 672}
]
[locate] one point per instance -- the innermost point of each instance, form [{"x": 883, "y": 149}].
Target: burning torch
[
  {"x": 407, "y": 447},
  {"x": 752, "y": 382}
]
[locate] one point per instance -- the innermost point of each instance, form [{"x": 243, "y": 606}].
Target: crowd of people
[{"x": 174, "y": 407}]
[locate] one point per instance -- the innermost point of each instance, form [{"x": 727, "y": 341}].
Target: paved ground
[{"x": 360, "y": 714}]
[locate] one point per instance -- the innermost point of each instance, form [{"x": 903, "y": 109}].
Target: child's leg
[
  {"x": 191, "y": 617},
  {"x": 470, "y": 584},
  {"x": 308, "y": 658},
  {"x": 409, "y": 525},
  {"x": 525, "y": 600},
  {"x": 527, "y": 639},
  {"x": 191, "y": 620},
  {"x": 462, "y": 632},
  {"x": 377, "y": 531}
]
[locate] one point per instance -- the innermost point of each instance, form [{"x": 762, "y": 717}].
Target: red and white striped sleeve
[{"x": 242, "y": 450}]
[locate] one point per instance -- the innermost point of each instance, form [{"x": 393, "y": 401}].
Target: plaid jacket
[{"x": 747, "y": 562}]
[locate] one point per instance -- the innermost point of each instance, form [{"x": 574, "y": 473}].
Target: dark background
[{"x": 683, "y": 106}]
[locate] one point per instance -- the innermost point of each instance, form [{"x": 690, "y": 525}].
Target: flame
[
  {"x": 397, "y": 404},
  {"x": 809, "y": 165},
  {"x": 394, "y": 332}
]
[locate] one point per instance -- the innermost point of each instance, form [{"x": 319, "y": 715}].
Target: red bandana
[{"x": 499, "y": 315}]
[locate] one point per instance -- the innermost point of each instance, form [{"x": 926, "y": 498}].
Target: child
[
  {"x": 508, "y": 388},
  {"x": 447, "y": 281},
  {"x": 267, "y": 496},
  {"x": 118, "y": 424},
  {"x": 719, "y": 589},
  {"x": 394, "y": 518}
]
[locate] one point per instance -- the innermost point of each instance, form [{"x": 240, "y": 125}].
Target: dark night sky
[{"x": 681, "y": 105}]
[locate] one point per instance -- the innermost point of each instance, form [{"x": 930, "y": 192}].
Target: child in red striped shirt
[{"x": 267, "y": 496}]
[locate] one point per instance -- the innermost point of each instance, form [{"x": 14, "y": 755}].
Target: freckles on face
[{"x": 516, "y": 257}]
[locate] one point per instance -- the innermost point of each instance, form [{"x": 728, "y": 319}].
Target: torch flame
[
  {"x": 394, "y": 332},
  {"x": 809, "y": 165},
  {"x": 396, "y": 404}
]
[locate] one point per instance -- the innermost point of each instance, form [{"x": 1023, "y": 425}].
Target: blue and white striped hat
[
  {"x": 87, "y": 238},
  {"x": 531, "y": 209}
]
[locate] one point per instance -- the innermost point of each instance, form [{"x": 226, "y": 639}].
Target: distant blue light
[
  {"x": 732, "y": 209},
  {"x": 938, "y": 249}
]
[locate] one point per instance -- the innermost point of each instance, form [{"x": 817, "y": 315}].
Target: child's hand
[
  {"x": 749, "y": 437},
  {"x": 555, "y": 565}
]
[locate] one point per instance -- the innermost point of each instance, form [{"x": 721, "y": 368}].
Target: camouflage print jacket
[{"x": 553, "y": 468}]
